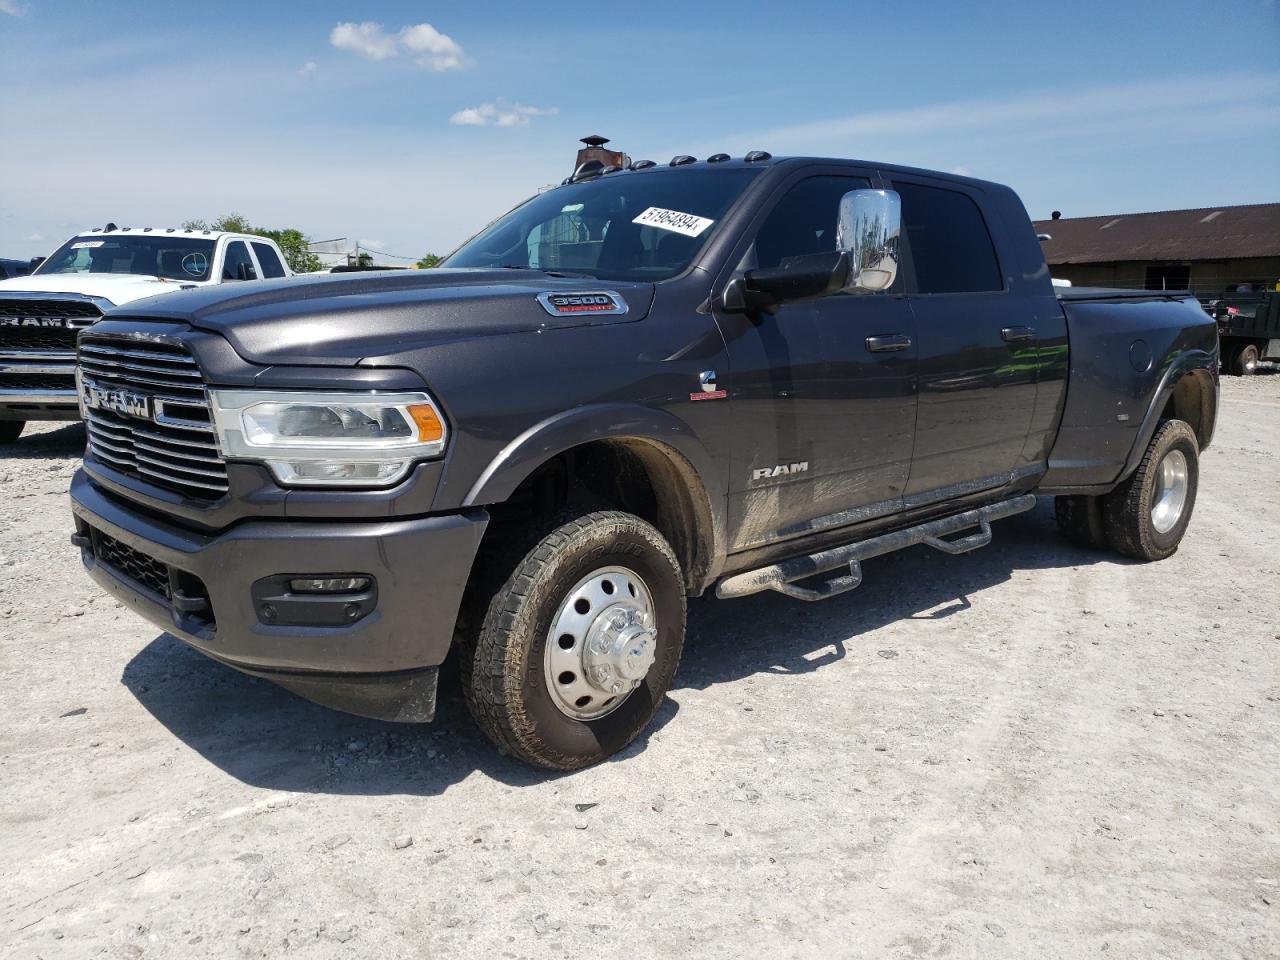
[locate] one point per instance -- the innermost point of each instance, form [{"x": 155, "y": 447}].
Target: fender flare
[
  {"x": 610, "y": 421},
  {"x": 1186, "y": 362}
]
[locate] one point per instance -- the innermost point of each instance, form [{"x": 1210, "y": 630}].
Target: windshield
[
  {"x": 173, "y": 257},
  {"x": 631, "y": 226}
]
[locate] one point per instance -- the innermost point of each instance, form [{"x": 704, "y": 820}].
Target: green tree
[
  {"x": 292, "y": 243},
  {"x": 429, "y": 261}
]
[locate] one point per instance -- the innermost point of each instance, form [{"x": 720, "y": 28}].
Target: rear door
[
  {"x": 977, "y": 348},
  {"x": 822, "y": 391}
]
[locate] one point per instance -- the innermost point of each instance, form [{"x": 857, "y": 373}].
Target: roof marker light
[
  {"x": 717, "y": 158},
  {"x": 642, "y": 164},
  {"x": 758, "y": 156},
  {"x": 681, "y": 159}
]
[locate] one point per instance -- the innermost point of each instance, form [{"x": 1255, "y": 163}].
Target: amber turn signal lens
[{"x": 429, "y": 425}]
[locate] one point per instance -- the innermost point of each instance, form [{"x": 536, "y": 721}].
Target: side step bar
[{"x": 782, "y": 576}]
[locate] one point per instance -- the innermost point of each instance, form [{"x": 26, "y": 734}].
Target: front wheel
[
  {"x": 10, "y": 430},
  {"x": 1146, "y": 516},
  {"x": 580, "y": 643}
]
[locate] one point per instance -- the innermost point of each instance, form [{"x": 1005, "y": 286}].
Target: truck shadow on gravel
[
  {"x": 64, "y": 442},
  {"x": 269, "y": 738}
]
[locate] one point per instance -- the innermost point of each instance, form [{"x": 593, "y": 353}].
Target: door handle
[
  {"x": 1018, "y": 334},
  {"x": 889, "y": 343}
]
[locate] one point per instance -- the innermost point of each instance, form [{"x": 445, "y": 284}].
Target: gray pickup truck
[{"x": 733, "y": 375}]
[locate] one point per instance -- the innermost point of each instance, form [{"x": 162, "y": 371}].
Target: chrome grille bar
[{"x": 176, "y": 449}]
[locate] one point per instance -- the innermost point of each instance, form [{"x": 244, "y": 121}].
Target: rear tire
[
  {"x": 1080, "y": 520},
  {"x": 1146, "y": 516},
  {"x": 586, "y": 581},
  {"x": 1245, "y": 362},
  {"x": 10, "y": 430}
]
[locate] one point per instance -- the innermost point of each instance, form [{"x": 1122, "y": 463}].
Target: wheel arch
[
  {"x": 669, "y": 463},
  {"x": 1187, "y": 391}
]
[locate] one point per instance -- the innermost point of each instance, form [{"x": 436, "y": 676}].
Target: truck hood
[
  {"x": 341, "y": 319},
  {"x": 118, "y": 288}
]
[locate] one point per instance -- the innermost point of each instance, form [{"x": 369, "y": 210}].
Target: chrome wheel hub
[
  {"x": 1169, "y": 497},
  {"x": 602, "y": 642}
]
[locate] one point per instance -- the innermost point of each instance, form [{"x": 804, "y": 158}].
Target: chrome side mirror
[{"x": 867, "y": 228}]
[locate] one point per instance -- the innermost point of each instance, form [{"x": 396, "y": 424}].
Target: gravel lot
[{"x": 1035, "y": 751}]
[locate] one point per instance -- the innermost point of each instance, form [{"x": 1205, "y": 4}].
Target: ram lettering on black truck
[{"x": 734, "y": 375}]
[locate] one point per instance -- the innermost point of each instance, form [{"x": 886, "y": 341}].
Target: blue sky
[{"x": 408, "y": 125}]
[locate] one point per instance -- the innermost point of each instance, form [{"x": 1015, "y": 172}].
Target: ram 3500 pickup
[
  {"x": 733, "y": 375},
  {"x": 40, "y": 314}
]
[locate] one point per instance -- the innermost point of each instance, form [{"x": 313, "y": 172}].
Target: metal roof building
[{"x": 1210, "y": 251}]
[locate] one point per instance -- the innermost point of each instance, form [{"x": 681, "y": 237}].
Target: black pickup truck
[{"x": 732, "y": 375}]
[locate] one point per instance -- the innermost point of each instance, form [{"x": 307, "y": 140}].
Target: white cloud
[
  {"x": 35, "y": 237},
  {"x": 367, "y": 39},
  {"x": 427, "y": 45},
  {"x": 12, "y": 7},
  {"x": 433, "y": 49},
  {"x": 308, "y": 70},
  {"x": 500, "y": 114}
]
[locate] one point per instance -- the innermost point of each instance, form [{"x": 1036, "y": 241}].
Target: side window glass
[
  {"x": 804, "y": 221},
  {"x": 267, "y": 259},
  {"x": 237, "y": 254},
  {"x": 951, "y": 246}
]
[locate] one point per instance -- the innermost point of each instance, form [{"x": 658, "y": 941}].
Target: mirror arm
[{"x": 739, "y": 298}]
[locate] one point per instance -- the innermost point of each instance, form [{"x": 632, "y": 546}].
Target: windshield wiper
[{"x": 568, "y": 274}]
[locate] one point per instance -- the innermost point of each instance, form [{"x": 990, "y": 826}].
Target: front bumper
[{"x": 199, "y": 587}]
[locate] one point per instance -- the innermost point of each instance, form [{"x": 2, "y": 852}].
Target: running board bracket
[{"x": 781, "y": 577}]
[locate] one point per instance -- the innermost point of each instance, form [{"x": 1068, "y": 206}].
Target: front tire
[
  {"x": 10, "y": 430},
  {"x": 1147, "y": 515},
  {"x": 1245, "y": 361},
  {"x": 580, "y": 642}
]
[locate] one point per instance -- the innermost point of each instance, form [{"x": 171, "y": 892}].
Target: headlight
[{"x": 329, "y": 439}]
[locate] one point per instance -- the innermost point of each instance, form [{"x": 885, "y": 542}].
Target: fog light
[{"x": 329, "y": 584}]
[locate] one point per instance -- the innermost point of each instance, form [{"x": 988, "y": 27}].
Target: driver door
[{"x": 823, "y": 414}]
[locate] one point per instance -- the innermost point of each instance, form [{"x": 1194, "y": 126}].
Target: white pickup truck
[{"x": 40, "y": 314}]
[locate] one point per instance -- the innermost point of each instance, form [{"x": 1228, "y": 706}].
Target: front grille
[
  {"x": 19, "y": 322},
  {"x": 36, "y": 381},
  {"x": 175, "y": 447},
  {"x": 147, "y": 572}
]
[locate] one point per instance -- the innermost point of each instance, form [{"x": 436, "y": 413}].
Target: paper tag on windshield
[
  {"x": 87, "y": 243},
  {"x": 673, "y": 220}
]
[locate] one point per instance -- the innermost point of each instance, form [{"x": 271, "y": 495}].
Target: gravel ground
[{"x": 1034, "y": 751}]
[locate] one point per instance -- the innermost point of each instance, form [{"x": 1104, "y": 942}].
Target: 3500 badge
[{"x": 594, "y": 302}]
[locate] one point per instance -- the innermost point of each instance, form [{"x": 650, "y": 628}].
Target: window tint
[
  {"x": 237, "y": 254},
  {"x": 804, "y": 221},
  {"x": 267, "y": 259},
  {"x": 950, "y": 244}
]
